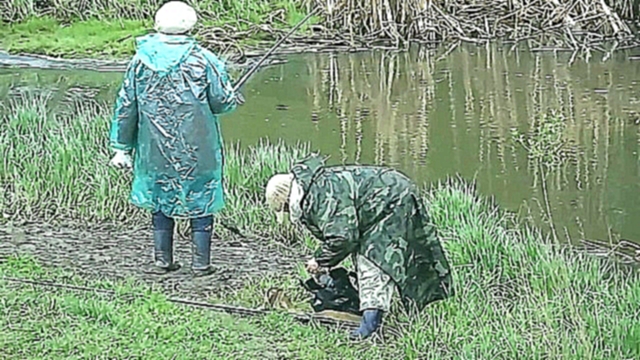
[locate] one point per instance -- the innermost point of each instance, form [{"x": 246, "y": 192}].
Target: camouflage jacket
[{"x": 376, "y": 212}]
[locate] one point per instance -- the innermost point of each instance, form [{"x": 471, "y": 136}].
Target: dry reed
[
  {"x": 359, "y": 24},
  {"x": 571, "y": 24}
]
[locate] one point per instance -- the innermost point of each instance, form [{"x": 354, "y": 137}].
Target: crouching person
[
  {"x": 376, "y": 215},
  {"x": 166, "y": 127}
]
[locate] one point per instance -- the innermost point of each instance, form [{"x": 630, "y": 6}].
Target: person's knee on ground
[
  {"x": 163, "y": 227},
  {"x": 201, "y": 232},
  {"x": 375, "y": 289}
]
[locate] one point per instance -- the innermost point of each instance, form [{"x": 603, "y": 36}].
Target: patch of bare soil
[{"x": 120, "y": 255}]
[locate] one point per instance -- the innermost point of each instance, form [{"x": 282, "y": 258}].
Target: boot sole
[
  {"x": 203, "y": 272},
  {"x": 162, "y": 270}
]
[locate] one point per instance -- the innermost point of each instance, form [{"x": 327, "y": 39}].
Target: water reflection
[
  {"x": 458, "y": 115},
  {"x": 435, "y": 117}
]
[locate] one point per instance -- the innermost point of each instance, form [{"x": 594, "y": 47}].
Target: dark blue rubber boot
[
  {"x": 201, "y": 263},
  {"x": 201, "y": 231},
  {"x": 369, "y": 324},
  {"x": 163, "y": 244},
  {"x": 163, "y": 251}
]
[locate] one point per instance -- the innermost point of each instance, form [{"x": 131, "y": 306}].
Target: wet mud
[{"x": 128, "y": 255}]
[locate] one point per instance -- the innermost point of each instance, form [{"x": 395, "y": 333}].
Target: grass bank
[
  {"x": 106, "y": 28},
  {"x": 47, "y": 324},
  {"x": 518, "y": 294}
]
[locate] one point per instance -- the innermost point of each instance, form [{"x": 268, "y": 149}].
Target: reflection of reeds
[
  {"x": 384, "y": 88},
  {"x": 483, "y": 95},
  {"x": 397, "y": 108}
]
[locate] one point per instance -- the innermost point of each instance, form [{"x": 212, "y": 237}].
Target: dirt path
[{"x": 118, "y": 255}]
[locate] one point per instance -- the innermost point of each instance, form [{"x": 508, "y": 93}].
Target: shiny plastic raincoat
[{"x": 166, "y": 112}]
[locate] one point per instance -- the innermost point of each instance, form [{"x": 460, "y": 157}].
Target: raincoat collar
[{"x": 162, "y": 52}]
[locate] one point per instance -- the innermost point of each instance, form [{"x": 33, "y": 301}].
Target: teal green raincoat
[{"x": 167, "y": 113}]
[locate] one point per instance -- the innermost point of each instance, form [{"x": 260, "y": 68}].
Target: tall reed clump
[
  {"x": 55, "y": 168},
  {"x": 569, "y": 22}
]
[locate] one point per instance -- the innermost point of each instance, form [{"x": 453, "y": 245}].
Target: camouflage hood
[
  {"x": 306, "y": 170},
  {"x": 376, "y": 212},
  {"x": 304, "y": 173}
]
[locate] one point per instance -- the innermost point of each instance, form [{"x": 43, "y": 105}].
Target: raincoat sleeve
[
  {"x": 124, "y": 125},
  {"x": 339, "y": 227},
  {"x": 220, "y": 94}
]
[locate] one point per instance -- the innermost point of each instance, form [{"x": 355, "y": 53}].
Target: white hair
[{"x": 277, "y": 193}]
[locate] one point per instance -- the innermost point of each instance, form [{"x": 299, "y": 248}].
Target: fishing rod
[
  {"x": 255, "y": 67},
  {"x": 328, "y": 318}
]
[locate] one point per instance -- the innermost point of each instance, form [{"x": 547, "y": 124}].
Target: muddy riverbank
[{"x": 123, "y": 255}]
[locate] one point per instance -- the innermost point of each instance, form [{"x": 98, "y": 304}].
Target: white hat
[
  {"x": 277, "y": 194},
  {"x": 175, "y": 17}
]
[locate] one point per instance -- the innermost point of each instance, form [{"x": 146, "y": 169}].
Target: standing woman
[{"x": 166, "y": 118}]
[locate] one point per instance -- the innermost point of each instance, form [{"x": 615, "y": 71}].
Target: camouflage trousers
[{"x": 375, "y": 288}]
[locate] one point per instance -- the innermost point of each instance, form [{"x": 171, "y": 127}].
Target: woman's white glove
[{"x": 121, "y": 160}]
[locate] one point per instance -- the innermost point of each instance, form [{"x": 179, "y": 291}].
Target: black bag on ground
[{"x": 334, "y": 291}]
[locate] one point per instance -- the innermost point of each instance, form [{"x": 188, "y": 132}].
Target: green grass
[
  {"x": 73, "y": 150},
  {"x": 37, "y": 323},
  {"x": 106, "y": 29},
  {"x": 90, "y": 38},
  {"x": 518, "y": 296}
]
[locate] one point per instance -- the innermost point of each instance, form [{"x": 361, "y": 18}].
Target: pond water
[{"x": 434, "y": 117}]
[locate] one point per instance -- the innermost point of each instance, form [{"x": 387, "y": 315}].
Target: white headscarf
[
  {"x": 277, "y": 192},
  {"x": 175, "y": 17}
]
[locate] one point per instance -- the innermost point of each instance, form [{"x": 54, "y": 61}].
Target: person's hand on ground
[
  {"x": 312, "y": 266},
  {"x": 121, "y": 160}
]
